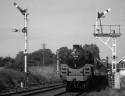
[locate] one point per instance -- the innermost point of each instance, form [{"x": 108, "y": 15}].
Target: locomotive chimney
[{"x": 76, "y": 47}]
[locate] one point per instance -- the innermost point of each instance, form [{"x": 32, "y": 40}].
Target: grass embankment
[
  {"x": 10, "y": 78},
  {"x": 46, "y": 73}
]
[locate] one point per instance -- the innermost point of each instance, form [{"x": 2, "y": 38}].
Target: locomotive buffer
[{"x": 109, "y": 32}]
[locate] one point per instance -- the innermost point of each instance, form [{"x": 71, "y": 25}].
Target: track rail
[
  {"x": 35, "y": 90},
  {"x": 64, "y": 93}
]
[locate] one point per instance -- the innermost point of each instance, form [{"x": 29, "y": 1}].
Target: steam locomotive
[{"x": 80, "y": 70}]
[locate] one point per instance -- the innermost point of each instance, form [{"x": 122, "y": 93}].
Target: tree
[
  {"x": 8, "y": 61},
  {"x": 41, "y": 57},
  {"x": 19, "y": 61},
  {"x": 64, "y": 53},
  {"x": 1, "y": 62},
  {"x": 93, "y": 49},
  {"x": 47, "y": 57}
]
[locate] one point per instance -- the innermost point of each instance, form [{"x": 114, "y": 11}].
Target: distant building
[{"x": 121, "y": 67}]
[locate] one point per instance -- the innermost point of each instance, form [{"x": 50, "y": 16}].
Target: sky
[{"x": 58, "y": 23}]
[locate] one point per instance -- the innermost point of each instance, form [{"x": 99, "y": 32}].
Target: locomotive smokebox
[{"x": 76, "y": 47}]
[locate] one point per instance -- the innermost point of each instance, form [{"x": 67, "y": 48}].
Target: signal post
[
  {"x": 24, "y": 12},
  {"x": 113, "y": 33}
]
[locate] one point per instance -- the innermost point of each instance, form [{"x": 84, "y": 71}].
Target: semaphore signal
[
  {"x": 98, "y": 25},
  {"x": 113, "y": 34},
  {"x": 102, "y": 14},
  {"x": 19, "y": 8},
  {"x": 24, "y": 30}
]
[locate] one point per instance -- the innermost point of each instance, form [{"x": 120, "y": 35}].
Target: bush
[{"x": 45, "y": 73}]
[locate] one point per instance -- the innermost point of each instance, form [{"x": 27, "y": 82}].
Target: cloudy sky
[{"x": 58, "y": 23}]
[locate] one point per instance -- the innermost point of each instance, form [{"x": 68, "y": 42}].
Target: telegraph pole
[
  {"x": 24, "y": 30},
  {"x": 44, "y": 47}
]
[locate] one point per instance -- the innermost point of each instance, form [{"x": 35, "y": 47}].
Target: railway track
[
  {"x": 34, "y": 91},
  {"x": 58, "y": 92},
  {"x": 71, "y": 94},
  {"x": 55, "y": 89}
]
